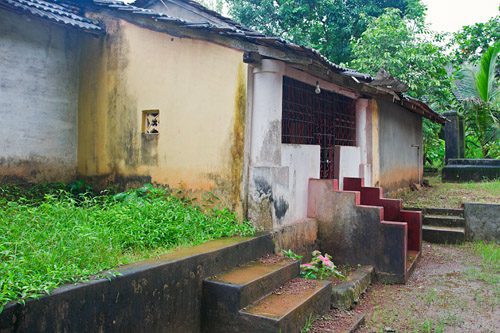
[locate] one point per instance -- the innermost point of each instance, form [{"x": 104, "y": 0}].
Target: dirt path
[{"x": 449, "y": 291}]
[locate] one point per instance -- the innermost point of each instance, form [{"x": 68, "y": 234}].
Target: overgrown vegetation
[
  {"x": 50, "y": 236},
  {"x": 449, "y": 195}
]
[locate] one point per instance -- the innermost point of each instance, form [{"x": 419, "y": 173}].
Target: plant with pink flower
[{"x": 321, "y": 267}]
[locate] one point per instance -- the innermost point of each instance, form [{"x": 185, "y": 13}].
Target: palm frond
[{"x": 485, "y": 78}]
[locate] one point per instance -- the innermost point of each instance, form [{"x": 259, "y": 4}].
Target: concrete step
[
  {"x": 225, "y": 294},
  {"x": 287, "y": 309},
  {"x": 445, "y": 211},
  {"x": 459, "y": 212},
  {"x": 444, "y": 221},
  {"x": 443, "y": 235},
  {"x": 347, "y": 294}
]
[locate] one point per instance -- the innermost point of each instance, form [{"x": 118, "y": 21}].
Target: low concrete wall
[
  {"x": 161, "y": 295},
  {"x": 303, "y": 162},
  {"x": 300, "y": 237},
  {"x": 347, "y": 163},
  {"x": 465, "y": 170},
  {"x": 482, "y": 221}
]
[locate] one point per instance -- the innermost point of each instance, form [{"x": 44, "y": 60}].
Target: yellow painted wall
[{"x": 199, "y": 89}]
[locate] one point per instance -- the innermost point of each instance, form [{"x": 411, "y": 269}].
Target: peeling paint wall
[
  {"x": 398, "y": 131},
  {"x": 39, "y": 68},
  {"x": 199, "y": 89}
]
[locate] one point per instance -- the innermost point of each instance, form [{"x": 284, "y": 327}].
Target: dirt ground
[
  {"x": 449, "y": 195},
  {"x": 451, "y": 290}
]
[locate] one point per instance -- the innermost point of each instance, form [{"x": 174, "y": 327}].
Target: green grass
[
  {"x": 65, "y": 238},
  {"x": 450, "y": 195},
  {"x": 489, "y": 270},
  {"x": 308, "y": 324}
]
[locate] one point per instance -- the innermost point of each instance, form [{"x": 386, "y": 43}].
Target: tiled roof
[
  {"x": 235, "y": 31},
  {"x": 56, "y": 12},
  {"x": 232, "y": 29}
]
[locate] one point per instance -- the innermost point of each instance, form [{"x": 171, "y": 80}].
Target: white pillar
[
  {"x": 363, "y": 139},
  {"x": 267, "y": 113}
]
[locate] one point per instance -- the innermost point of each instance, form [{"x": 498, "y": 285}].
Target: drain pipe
[{"x": 418, "y": 162}]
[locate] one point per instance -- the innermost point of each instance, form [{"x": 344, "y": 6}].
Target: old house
[
  {"x": 173, "y": 93},
  {"x": 170, "y": 92}
]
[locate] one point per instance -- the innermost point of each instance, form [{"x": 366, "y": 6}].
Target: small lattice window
[{"x": 151, "y": 121}]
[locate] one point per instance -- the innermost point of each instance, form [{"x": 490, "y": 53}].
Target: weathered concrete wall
[
  {"x": 279, "y": 173},
  {"x": 347, "y": 163},
  {"x": 300, "y": 237},
  {"x": 354, "y": 234},
  {"x": 199, "y": 89},
  {"x": 482, "y": 221},
  {"x": 466, "y": 170},
  {"x": 160, "y": 295},
  {"x": 303, "y": 162},
  {"x": 453, "y": 136},
  {"x": 39, "y": 68},
  {"x": 398, "y": 131}
]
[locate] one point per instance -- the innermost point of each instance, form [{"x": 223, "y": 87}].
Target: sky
[{"x": 451, "y": 15}]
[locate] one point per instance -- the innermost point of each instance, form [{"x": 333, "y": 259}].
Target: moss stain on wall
[{"x": 238, "y": 138}]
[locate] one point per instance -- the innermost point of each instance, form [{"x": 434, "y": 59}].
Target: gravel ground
[{"x": 449, "y": 291}]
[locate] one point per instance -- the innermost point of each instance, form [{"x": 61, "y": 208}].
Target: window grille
[
  {"x": 326, "y": 119},
  {"x": 151, "y": 121}
]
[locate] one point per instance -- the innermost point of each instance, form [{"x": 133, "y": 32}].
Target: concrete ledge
[
  {"x": 346, "y": 295},
  {"x": 162, "y": 295},
  {"x": 473, "y": 172},
  {"x": 482, "y": 221}
]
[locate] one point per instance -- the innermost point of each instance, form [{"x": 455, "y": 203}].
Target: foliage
[
  {"x": 217, "y": 5},
  {"x": 59, "y": 239},
  {"x": 292, "y": 255},
  {"x": 308, "y": 324},
  {"x": 477, "y": 89},
  {"x": 325, "y": 25},
  {"x": 472, "y": 40},
  {"x": 321, "y": 267},
  {"x": 404, "y": 48}
]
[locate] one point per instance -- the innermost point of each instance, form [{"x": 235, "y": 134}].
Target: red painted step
[{"x": 393, "y": 210}]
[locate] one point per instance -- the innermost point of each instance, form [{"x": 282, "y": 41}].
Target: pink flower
[
  {"x": 307, "y": 265},
  {"x": 328, "y": 263}
]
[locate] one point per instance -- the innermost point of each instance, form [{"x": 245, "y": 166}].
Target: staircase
[
  {"x": 357, "y": 225},
  {"x": 442, "y": 225},
  {"x": 262, "y": 296}
]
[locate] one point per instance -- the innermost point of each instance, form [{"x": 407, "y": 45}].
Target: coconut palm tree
[{"x": 478, "y": 91}]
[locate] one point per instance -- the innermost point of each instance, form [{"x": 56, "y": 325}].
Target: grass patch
[
  {"x": 489, "y": 270},
  {"x": 449, "y": 195},
  {"x": 66, "y": 237}
]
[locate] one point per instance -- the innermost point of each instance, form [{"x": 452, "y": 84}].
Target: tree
[
  {"x": 325, "y": 25},
  {"x": 217, "y": 5},
  {"x": 405, "y": 48},
  {"x": 478, "y": 91},
  {"x": 472, "y": 40}
]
